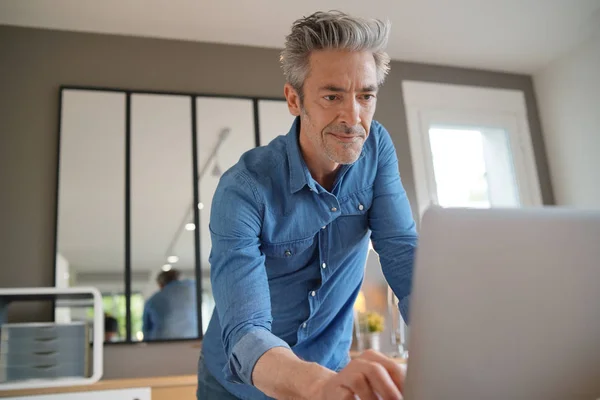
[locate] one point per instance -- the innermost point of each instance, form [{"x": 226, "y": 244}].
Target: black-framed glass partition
[{"x": 136, "y": 175}]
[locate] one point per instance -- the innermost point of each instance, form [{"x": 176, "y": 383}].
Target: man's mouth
[{"x": 345, "y": 138}]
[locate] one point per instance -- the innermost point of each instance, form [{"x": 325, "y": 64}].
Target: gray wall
[
  {"x": 34, "y": 63},
  {"x": 569, "y": 95}
]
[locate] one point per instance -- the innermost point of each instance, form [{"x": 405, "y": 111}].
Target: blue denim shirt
[
  {"x": 171, "y": 312},
  {"x": 288, "y": 256}
]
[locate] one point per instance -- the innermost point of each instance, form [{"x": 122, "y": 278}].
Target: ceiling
[{"x": 509, "y": 35}]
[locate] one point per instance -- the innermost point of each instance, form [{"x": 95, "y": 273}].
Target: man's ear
[{"x": 293, "y": 99}]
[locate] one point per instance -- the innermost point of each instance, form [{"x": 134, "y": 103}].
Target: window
[
  {"x": 470, "y": 147},
  {"x": 472, "y": 168}
]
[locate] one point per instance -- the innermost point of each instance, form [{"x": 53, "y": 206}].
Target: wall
[
  {"x": 569, "y": 96},
  {"x": 34, "y": 63}
]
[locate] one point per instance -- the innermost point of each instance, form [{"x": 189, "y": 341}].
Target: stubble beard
[{"x": 337, "y": 151}]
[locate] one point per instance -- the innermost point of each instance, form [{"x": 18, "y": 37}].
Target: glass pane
[
  {"x": 91, "y": 201},
  {"x": 225, "y": 129},
  {"x": 459, "y": 167},
  {"x": 473, "y": 168},
  {"x": 275, "y": 119},
  {"x": 501, "y": 177},
  {"x": 162, "y": 249}
]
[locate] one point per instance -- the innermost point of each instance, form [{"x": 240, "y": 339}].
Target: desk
[
  {"x": 181, "y": 387},
  {"x": 161, "y": 388}
]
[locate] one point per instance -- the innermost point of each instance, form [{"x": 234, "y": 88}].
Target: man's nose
[{"x": 350, "y": 112}]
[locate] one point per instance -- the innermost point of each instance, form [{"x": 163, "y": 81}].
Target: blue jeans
[{"x": 208, "y": 387}]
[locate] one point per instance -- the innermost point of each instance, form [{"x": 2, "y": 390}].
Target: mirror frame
[{"x": 127, "y": 201}]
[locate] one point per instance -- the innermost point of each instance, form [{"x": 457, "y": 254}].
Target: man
[
  {"x": 290, "y": 228},
  {"x": 171, "y": 312},
  {"x": 111, "y": 328}
]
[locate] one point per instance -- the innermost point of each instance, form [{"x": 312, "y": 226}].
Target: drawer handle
[
  {"x": 45, "y": 339},
  {"x": 44, "y": 366},
  {"x": 44, "y": 353}
]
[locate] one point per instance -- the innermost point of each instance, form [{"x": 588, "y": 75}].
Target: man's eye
[
  {"x": 368, "y": 96},
  {"x": 331, "y": 97}
]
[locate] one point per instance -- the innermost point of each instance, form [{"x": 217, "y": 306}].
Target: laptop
[{"x": 506, "y": 305}]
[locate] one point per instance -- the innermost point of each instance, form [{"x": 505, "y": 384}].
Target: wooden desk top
[{"x": 112, "y": 384}]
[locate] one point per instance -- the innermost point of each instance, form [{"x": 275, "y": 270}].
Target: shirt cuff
[{"x": 246, "y": 353}]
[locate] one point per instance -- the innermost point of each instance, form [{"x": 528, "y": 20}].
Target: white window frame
[{"x": 470, "y": 107}]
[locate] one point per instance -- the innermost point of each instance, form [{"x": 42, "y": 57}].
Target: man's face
[{"x": 338, "y": 106}]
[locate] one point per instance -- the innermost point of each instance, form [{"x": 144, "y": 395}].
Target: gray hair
[{"x": 333, "y": 30}]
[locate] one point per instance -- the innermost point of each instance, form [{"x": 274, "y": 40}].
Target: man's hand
[{"x": 372, "y": 376}]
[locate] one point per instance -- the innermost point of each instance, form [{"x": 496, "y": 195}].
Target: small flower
[{"x": 373, "y": 321}]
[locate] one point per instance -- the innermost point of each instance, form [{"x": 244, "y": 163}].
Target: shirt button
[
  {"x": 323, "y": 227},
  {"x": 333, "y": 209},
  {"x": 313, "y": 293},
  {"x": 324, "y": 265},
  {"x": 304, "y": 325},
  {"x": 288, "y": 253},
  {"x": 361, "y": 207}
]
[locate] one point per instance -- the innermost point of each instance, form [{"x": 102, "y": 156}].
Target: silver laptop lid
[{"x": 506, "y": 305}]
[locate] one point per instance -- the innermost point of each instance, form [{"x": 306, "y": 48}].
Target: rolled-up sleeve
[
  {"x": 392, "y": 224},
  {"x": 238, "y": 277}
]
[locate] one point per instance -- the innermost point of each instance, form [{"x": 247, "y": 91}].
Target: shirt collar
[{"x": 299, "y": 174}]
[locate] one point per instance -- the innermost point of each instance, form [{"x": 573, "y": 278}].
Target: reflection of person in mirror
[
  {"x": 111, "y": 328},
  {"x": 291, "y": 224},
  {"x": 170, "y": 313}
]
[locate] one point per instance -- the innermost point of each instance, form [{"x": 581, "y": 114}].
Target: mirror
[
  {"x": 129, "y": 220},
  {"x": 90, "y": 247},
  {"x": 163, "y": 288},
  {"x": 275, "y": 119},
  {"x": 225, "y": 129}
]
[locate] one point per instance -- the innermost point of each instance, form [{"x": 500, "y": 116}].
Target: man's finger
[
  {"x": 379, "y": 379},
  {"x": 393, "y": 368},
  {"x": 358, "y": 383}
]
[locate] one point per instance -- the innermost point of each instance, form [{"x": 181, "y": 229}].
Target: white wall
[{"x": 568, "y": 93}]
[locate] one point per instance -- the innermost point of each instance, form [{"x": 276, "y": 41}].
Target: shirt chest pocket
[
  {"x": 289, "y": 256},
  {"x": 353, "y": 223}
]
